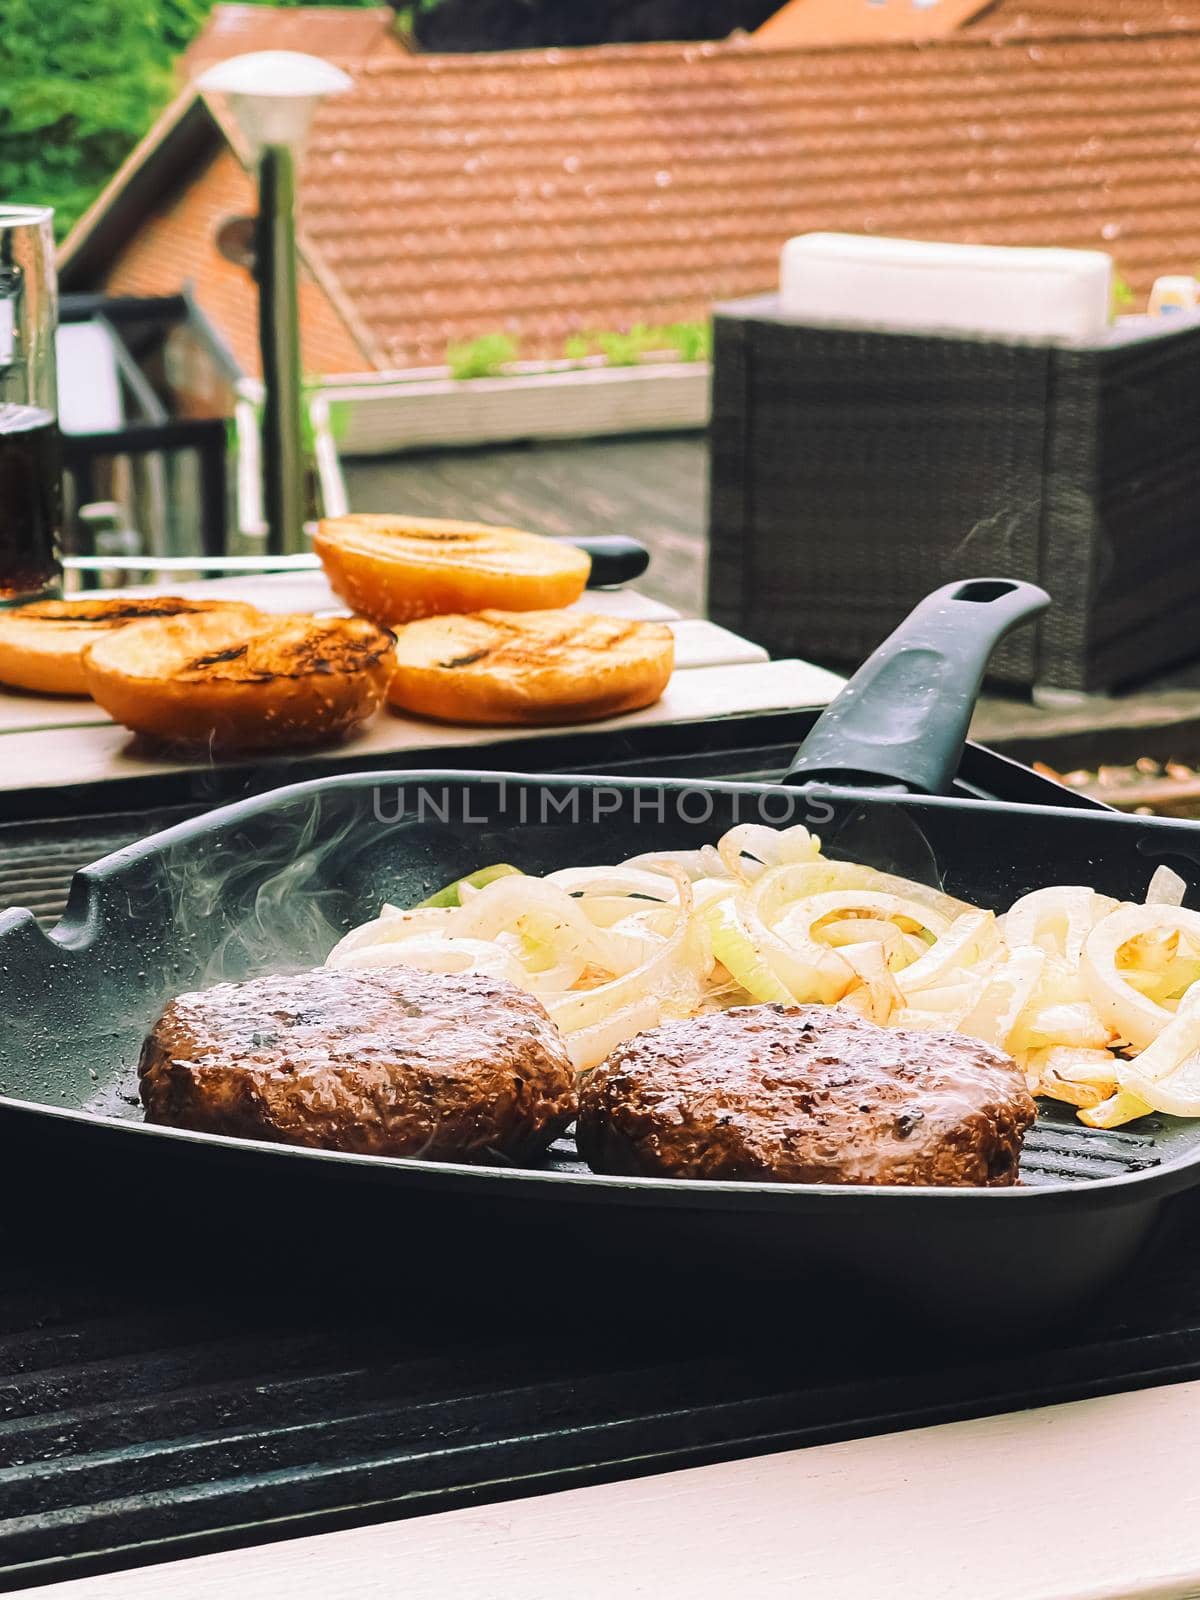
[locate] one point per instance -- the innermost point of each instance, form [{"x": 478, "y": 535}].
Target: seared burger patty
[
  {"x": 805, "y": 1094},
  {"x": 448, "y": 1067}
]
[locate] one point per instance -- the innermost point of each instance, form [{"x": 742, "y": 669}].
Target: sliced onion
[
  {"x": 1167, "y": 1073},
  {"x": 505, "y": 903},
  {"x": 618, "y": 881},
  {"x": 384, "y": 930},
  {"x": 868, "y": 930},
  {"x": 798, "y": 925},
  {"x": 750, "y": 848},
  {"x": 740, "y": 956},
  {"x": 1076, "y": 1025},
  {"x": 706, "y": 890},
  {"x": 795, "y": 881},
  {"x": 1005, "y": 995},
  {"x": 432, "y": 952},
  {"x": 670, "y": 982},
  {"x": 1114, "y": 1112},
  {"x": 969, "y": 939},
  {"x": 588, "y": 1047},
  {"x": 1081, "y": 1078},
  {"x": 951, "y": 999},
  {"x": 810, "y": 972},
  {"x": 1167, "y": 888},
  {"x": 1057, "y": 919},
  {"x": 702, "y": 863},
  {"x": 876, "y": 982},
  {"x": 1127, "y": 1013}
]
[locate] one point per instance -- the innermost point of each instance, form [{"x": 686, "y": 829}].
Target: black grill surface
[
  {"x": 152, "y": 1406},
  {"x": 146, "y": 1417}
]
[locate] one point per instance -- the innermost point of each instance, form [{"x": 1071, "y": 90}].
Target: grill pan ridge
[{"x": 269, "y": 883}]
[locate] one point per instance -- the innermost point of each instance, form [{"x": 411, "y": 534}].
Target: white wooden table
[
  {"x": 1097, "y": 1500},
  {"x": 49, "y": 742}
]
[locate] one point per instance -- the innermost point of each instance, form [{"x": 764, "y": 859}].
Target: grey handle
[{"x": 903, "y": 717}]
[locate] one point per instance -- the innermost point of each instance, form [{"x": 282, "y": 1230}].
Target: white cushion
[{"x": 846, "y": 278}]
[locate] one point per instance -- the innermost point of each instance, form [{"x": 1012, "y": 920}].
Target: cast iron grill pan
[
  {"x": 171, "y": 1389},
  {"x": 37, "y": 864},
  {"x": 272, "y": 882}
]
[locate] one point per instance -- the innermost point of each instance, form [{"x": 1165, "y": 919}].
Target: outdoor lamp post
[{"x": 272, "y": 96}]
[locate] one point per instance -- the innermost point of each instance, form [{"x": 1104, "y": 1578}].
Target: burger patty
[
  {"x": 805, "y": 1094},
  {"x": 448, "y": 1067}
]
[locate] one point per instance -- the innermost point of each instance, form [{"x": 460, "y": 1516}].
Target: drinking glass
[{"x": 30, "y": 455}]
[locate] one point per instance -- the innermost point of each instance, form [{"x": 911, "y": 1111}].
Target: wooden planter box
[
  {"x": 854, "y": 470},
  {"x": 389, "y": 415}
]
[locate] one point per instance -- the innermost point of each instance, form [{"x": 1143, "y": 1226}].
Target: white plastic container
[{"x": 1175, "y": 293}]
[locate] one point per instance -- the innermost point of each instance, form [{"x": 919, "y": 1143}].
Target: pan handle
[
  {"x": 903, "y": 717},
  {"x": 615, "y": 559}
]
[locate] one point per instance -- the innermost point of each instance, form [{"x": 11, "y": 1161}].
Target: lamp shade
[{"x": 273, "y": 94}]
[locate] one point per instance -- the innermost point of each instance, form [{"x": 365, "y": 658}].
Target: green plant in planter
[
  {"x": 625, "y": 349},
  {"x": 481, "y": 358},
  {"x": 691, "y": 341},
  {"x": 1123, "y": 297}
]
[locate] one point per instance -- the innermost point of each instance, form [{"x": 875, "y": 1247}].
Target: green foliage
[
  {"x": 407, "y": 16},
  {"x": 481, "y": 358},
  {"x": 80, "y": 82},
  {"x": 624, "y": 349},
  {"x": 339, "y": 420},
  {"x": 1123, "y": 297},
  {"x": 691, "y": 341}
]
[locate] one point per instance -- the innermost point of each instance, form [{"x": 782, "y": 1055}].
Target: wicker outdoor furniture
[{"x": 855, "y": 469}]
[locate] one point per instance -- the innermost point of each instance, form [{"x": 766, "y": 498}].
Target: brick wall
[{"x": 176, "y": 248}]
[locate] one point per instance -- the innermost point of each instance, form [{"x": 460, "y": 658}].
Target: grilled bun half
[
  {"x": 532, "y": 667},
  {"x": 396, "y": 569},
  {"x": 241, "y": 684},
  {"x": 42, "y": 645}
]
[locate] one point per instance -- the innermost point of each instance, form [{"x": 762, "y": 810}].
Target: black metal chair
[{"x": 134, "y": 424}]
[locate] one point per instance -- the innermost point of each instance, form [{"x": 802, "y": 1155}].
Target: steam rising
[{"x": 282, "y": 912}]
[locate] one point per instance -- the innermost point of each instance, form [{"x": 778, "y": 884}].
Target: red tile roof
[
  {"x": 807, "y": 22},
  {"x": 1084, "y": 16},
  {"x": 339, "y": 33},
  {"x": 844, "y": 22},
  {"x": 176, "y": 248},
  {"x": 546, "y": 192}
]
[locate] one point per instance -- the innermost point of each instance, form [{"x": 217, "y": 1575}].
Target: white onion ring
[
  {"x": 1130, "y": 1015},
  {"x": 503, "y": 903}
]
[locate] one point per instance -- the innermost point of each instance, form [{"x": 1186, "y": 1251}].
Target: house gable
[{"x": 175, "y": 247}]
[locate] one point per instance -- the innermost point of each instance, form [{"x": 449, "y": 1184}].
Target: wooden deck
[{"x": 655, "y": 488}]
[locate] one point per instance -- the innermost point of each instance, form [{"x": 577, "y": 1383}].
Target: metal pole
[{"x": 279, "y": 340}]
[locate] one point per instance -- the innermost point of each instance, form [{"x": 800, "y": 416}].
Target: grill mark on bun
[
  {"x": 216, "y": 657},
  {"x": 513, "y": 646},
  {"x": 354, "y": 646},
  {"x": 107, "y": 613}
]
